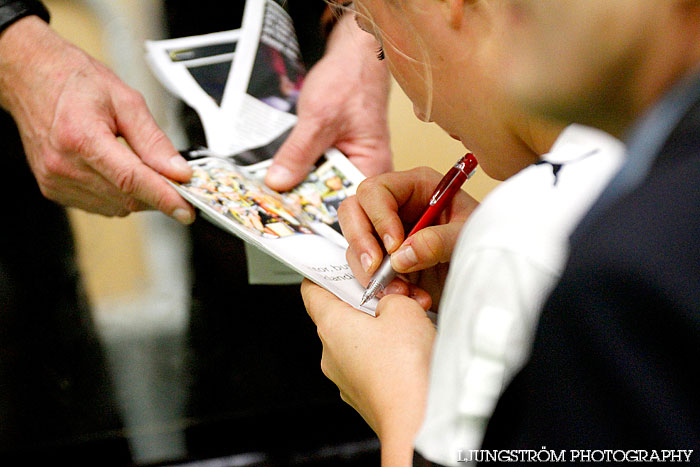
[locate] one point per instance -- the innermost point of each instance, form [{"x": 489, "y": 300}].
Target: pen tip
[
  {"x": 365, "y": 297},
  {"x": 371, "y": 291}
]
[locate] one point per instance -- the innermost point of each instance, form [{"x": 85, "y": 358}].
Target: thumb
[
  {"x": 426, "y": 248},
  {"x": 314, "y": 298},
  {"x": 395, "y": 306},
  {"x": 297, "y": 156}
]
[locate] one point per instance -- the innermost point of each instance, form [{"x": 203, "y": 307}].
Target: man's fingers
[
  {"x": 374, "y": 162},
  {"x": 298, "y": 154},
  {"x": 132, "y": 177},
  {"x": 72, "y": 182},
  {"x": 79, "y": 198},
  {"x": 135, "y": 123}
]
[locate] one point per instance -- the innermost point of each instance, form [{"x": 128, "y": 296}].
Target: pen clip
[
  {"x": 445, "y": 184},
  {"x": 451, "y": 176}
]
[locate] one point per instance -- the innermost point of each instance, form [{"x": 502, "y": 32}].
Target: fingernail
[
  {"x": 179, "y": 163},
  {"x": 366, "y": 261},
  {"x": 183, "y": 216},
  {"x": 279, "y": 174},
  {"x": 404, "y": 258},
  {"x": 389, "y": 242}
]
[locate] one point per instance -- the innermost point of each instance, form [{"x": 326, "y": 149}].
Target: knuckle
[
  {"x": 48, "y": 175},
  {"x": 423, "y": 172},
  {"x": 48, "y": 191},
  {"x": 107, "y": 209},
  {"x": 110, "y": 210},
  {"x": 433, "y": 246},
  {"x": 314, "y": 107},
  {"x": 349, "y": 203},
  {"x": 125, "y": 180},
  {"x": 69, "y": 136},
  {"x": 132, "y": 98},
  {"x": 128, "y": 206},
  {"x": 52, "y": 166},
  {"x": 161, "y": 201},
  {"x": 350, "y": 254},
  {"x": 428, "y": 177},
  {"x": 116, "y": 207},
  {"x": 155, "y": 138},
  {"x": 119, "y": 205},
  {"x": 383, "y": 223},
  {"x": 367, "y": 187}
]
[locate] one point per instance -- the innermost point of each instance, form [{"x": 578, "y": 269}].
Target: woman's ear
[{"x": 454, "y": 12}]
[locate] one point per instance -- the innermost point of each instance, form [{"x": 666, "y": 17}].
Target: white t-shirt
[{"x": 508, "y": 258}]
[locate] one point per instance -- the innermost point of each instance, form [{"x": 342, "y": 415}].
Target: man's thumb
[{"x": 296, "y": 157}]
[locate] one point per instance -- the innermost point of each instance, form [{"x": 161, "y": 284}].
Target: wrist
[
  {"x": 396, "y": 453},
  {"x": 396, "y": 430},
  {"x": 400, "y": 419},
  {"x": 22, "y": 46},
  {"x": 357, "y": 52},
  {"x": 12, "y": 11}
]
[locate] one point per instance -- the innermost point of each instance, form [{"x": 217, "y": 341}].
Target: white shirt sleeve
[{"x": 485, "y": 326}]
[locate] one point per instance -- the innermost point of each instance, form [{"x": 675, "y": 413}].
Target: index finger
[
  {"x": 136, "y": 124},
  {"x": 394, "y": 200},
  {"x": 121, "y": 167},
  {"x": 364, "y": 252}
]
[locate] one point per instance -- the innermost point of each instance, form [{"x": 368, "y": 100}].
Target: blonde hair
[{"x": 427, "y": 75}]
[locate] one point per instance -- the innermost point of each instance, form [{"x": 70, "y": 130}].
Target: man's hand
[
  {"x": 383, "y": 207},
  {"x": 70, "y": 110},
  {"x": 343, "y": 103},
  {"x": 379, "y": 364}
]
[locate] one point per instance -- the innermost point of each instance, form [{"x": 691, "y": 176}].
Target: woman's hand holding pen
[
  {"x": 381, "y": 364},
  {"x": 383, "y": 206}
]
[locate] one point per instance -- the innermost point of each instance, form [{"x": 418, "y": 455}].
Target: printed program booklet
[{"x": 244, "y": 85}]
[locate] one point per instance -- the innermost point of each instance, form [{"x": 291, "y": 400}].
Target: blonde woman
[{"x": 411, "y": 385}]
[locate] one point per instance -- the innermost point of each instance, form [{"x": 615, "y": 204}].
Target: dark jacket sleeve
[
  {"x": 13, "y": 10},
  {"x": 307, "y": 23}
]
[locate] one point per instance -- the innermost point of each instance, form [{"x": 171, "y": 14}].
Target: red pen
[{"x": 442, "y": 196}]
